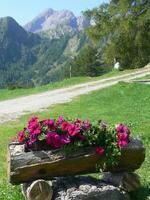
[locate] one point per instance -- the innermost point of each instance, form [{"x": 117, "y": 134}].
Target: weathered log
[
  {"x": 127, "y": 181},
  {"x": 37, "y": 190},
  {"x": 29, "y": 166}
]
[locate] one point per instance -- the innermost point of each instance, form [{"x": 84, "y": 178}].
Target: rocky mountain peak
[
  {"x": 52, "y": 20},
  {"x": 48, "y": 12}
]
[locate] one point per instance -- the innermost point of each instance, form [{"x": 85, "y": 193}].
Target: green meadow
[{"x": 125, "y": 102}]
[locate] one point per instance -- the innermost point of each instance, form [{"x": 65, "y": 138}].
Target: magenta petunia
[
  {"x": 50, "y": 123},
  {"x": 34, "y": 128},
  {"x": 33, "y": 139},
  {"x": 64, "y": 139},
  {"x": 123, "y": 136},
  {"x": 57, "y": 141},
  {"x": 123, "y": 139},
  {"x": 121, "y": 128},
  {"x": 21, "y": 136},
  {"x": 33, "y": 119},
  {"x": 54, "y": 140},
  {"x": 86, "y": 124},
  {"x": 122, "y": 143},
  {"x": 73, "y": 130},
  {"x": 77, "y": 122},
  {"x": 100, "y": 151},
  {"x": 60, "y": 119},
  {"x": 65, "y": 126}
]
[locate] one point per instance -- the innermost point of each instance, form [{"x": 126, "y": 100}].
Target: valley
[{"x": 29, "y": 59}]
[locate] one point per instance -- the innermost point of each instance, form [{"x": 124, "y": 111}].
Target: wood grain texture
[{"x": 29, "y": 166}]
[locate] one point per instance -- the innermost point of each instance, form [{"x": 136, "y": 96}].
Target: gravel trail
[{"x": 14, "y": 108}]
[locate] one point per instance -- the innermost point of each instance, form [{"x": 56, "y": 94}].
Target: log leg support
[
  {"x": 127, "y": 181},
  {"x": 37, "y": 190}
]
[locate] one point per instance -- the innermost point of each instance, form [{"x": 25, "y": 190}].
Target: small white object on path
[
  {"x": 14, "y": 108},
  {"x": 117, "y": 65}
]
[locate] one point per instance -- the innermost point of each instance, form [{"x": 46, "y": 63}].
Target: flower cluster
[
  {"x": 123, "y": 133},
  {"x": 56, "y": 133},
  {"x": 62, "y": 133}
]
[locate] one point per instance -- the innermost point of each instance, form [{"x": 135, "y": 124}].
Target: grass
[
  {"x": 9, "y": 94},
  {"x": 124, "y": 102}
]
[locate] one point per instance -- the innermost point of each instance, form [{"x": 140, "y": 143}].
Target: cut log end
[{"x": 38, "y": 190}]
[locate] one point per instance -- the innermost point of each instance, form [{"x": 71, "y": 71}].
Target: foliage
[
  {"x": 87, "y": 63},
  {"x": 125, "y": 27}
]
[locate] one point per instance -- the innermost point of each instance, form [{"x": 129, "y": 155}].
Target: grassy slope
[
  {"x": 9, "y": 94},
  {"x": 127, "y": 103}
]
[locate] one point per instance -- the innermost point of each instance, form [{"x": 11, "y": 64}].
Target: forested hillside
[{"x": 27, "y": 59}]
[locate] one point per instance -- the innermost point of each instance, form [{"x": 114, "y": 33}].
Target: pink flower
[
  {"x": 49, "y": 123},
  {"x": 86, "y": 124},
  {"x": 123, "y": 135},
  {"x": 121, "y": 128},
  {"x": 33, "y": 119},
  {"x": 56, "y": 141},
  {"x": 64, "y": 139},
  {"x": 122, "y": 143},
  {"x": 123, "y": 139},
  {"x": 33, "y": 139},
  {"x": 21, "y": 136},
  {"x": 73, "y": 130},
  {"x": 60, "y": 119},
  {"x": 77, "y": 122},
  {"x": 100, "y": 151},
  {"x": 65, "y": 126},
  {"x": 34, "y": 128}
]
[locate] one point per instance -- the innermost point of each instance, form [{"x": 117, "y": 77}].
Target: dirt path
[{"x": 14, "y": 108}]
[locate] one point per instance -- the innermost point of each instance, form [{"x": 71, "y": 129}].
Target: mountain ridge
[{"x": 53, "y": 19}]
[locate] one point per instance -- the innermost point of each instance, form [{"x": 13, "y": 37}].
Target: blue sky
[{"x": 25, "y": 10}]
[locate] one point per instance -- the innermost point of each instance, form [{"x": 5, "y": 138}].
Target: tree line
[{"x": 120, "y": 32}]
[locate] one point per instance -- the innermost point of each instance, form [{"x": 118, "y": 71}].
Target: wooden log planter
[
  {"x": 32, "y": 163},
  {"x": 29, "y": 166}
]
